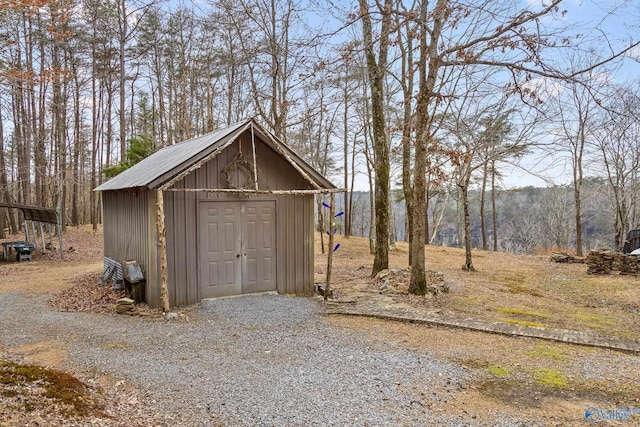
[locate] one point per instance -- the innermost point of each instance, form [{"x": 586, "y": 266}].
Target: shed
[{"x": 227, "y": 213}]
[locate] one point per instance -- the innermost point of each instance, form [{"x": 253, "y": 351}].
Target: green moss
[
  {"x": 550, "y": 377},
  {"x": 593, "y": 320},
  {"x": 548, "y": 352},
  {"x": 529, "y": 317},
  {"x": 117, "y": 345},
  {"x": 522, "y": 312},
  {"x": 59, "y": 386},
  {"x": 516, "y": 285},
  {"x": 499, "y": 371}
]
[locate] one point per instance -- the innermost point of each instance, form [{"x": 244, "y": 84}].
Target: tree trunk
[
  {"x": 577, "y": 187},
  {"x": 345, "y": 138},
  {"x": 407, "y": 92},
  {"x": 428, "y": 73},
  {"x": 494, "y": 215},
  {"x": 376, "y": 69},
  {"x": 75, "y": 220},
  {"x": 5, "y": 196},
  {"x": 124, "y": 29},
  {"x": 327, "y": 288},
  {"x": 483, "y": 192},
  {"x": 468, "y": 263},
  {"x": 578, "y": 209}
]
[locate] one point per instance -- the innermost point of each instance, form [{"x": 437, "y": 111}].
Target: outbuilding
[{"x": 227, "y": 213}]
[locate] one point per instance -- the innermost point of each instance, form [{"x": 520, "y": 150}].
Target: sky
[
  {"x": 607, "y": 25},
  {"x": 613, "y": 19}
]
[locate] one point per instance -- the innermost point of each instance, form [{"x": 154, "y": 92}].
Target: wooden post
[
  {"x": 59, "y": 230},
  {"x": 42, "y": 237},
  {"x": 53, "y": 252},
  {"x": 255, "y": 160},
  {"x": 34, "y": 234},
  {"x": 162, "y": 244},
  {"x": 327, "y": 287}
]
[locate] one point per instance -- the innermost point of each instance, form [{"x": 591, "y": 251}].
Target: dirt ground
[
  {"x": 526, "y": 290},
  {"x": 82, "y": 253},
  {"x": 540, "y": 380},
  {"x": 555, "y": 382}
]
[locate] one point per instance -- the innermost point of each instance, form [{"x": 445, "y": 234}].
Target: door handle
[{"x": 237, "y": 255}]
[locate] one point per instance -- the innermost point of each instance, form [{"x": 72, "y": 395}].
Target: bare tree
[
  {"x": 377, "y": 72},
  {"x": 576, "y": 107},
  {"x": 617, "y": 136}
]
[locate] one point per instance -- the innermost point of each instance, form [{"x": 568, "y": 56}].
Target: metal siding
[
  {"x": 170, "y": 232},
  {"x": 191, "y": 241},
  {"x": 308, "y": 248},
  {"x": 125, "y": 226},
  {"x": 131, "y": 233},
  {"x": 152, "y": 289},
  {"x": 274, "y": 172}
]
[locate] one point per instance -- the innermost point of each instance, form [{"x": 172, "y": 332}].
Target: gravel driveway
[{"x": 254, "y": 360}]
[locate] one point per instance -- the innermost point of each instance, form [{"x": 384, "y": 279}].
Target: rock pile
[
  {"x": 628, "y": 264},
  {"x": 604, "y": 261},
  {"x": 123, "y": 305},
  {"x": 565, "y": 257},
  {"x": 396, "y": 281}
]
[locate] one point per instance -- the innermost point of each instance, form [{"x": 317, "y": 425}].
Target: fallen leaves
[{"x": 87, "y": 296}]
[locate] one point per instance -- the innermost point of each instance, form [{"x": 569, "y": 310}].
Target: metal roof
[
  {"x": 168, "y": 162},
  {"x": 34, "y": 213}
]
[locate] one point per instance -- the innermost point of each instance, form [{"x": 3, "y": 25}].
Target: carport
[{"x": 34, "y": 220}]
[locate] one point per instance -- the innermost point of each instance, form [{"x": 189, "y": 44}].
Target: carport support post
[
  {"x": 59, "y": 231},
  {"x": 327, "y": 287},
  {"x": 162, "y": 243},
  {"x": 42, "y": 237}
]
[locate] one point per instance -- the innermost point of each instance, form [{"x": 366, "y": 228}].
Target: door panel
[
  {"x": 220, "y": 265},
  {"x": 237, "y": 248},
  {"x": 260, "y": 259}
]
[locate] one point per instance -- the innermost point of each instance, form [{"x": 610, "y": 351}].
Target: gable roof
[{"x": 166, "y": 163}]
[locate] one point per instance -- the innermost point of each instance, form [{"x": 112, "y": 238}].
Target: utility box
[{"x": 133, "y": 279}]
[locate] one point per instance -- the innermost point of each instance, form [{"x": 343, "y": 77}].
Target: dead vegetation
[
  {"x": 513, "y": 375},
  {"x": 519, "y": 289}
]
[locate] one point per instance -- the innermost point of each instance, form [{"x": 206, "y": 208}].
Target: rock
[
  {"x": 387, "y": 288},
  {"x": 439, "y": 288},
  {"x": 124, "y": 305},
  {"x": 600, "y": 261},
  {"x": 383, "y": 274},
  {"x": 121, "y": 309},
  {"x": 171, "y": 316},
  {"x": 604, "y": 261},
  {"x": 561, "y": 257}
]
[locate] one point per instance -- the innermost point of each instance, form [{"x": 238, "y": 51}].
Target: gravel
[{"x": 249, "y": 361}]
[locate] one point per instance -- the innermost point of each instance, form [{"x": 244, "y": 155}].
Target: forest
[{"x": 417, "y": 104}]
